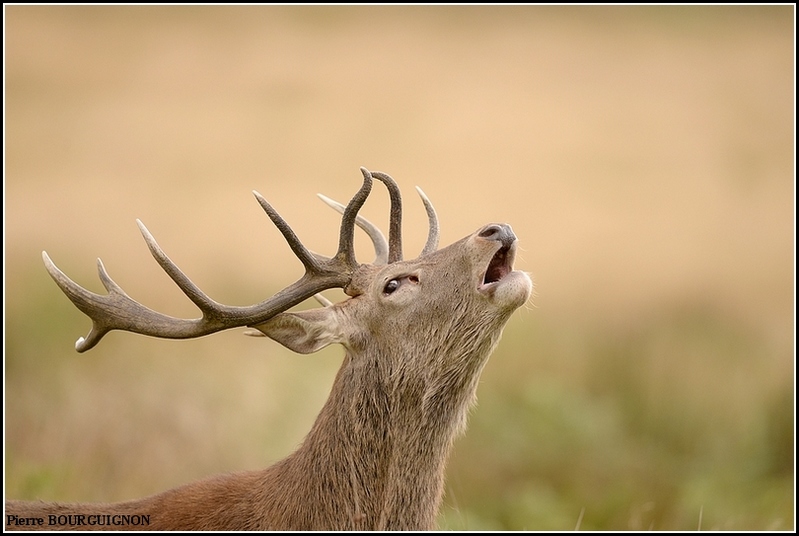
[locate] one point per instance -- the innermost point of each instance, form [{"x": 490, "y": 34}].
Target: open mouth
[{"x": 501, "y": 265}]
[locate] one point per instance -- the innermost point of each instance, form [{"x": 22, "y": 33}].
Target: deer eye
[
  {"x": 391, "y": 286},
  {"x": 397, "y": 282}
]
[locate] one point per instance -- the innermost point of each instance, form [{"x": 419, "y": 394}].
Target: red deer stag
[{"x": 417, "y": 334}]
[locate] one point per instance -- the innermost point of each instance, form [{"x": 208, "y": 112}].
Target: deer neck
[{"x": 384, "y": 435}]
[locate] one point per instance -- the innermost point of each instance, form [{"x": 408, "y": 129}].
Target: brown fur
[{"x": 375, "y": 456}]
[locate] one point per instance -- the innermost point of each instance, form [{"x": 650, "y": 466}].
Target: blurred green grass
[{"x": 684, "y": 416}]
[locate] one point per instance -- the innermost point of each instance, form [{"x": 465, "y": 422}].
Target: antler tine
[
  {"x": 116, "y": 310},
  {"x": 307, "y": 258},
  {"x": 379, "y": 241},
  {"x": 83, "y": 299},
  {"x": 208, "y": 306},
  {"x": 346, "y": 248},
  {"x": 395, "y": 222},
  {"x": 432, "y": 218}
]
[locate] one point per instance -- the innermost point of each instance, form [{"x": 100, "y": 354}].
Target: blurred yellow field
[{"x": 643, "y": 155}]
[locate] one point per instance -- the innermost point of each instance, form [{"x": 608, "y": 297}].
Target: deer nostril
[
  {"x": 490, "y": 232},
  {"x": 499, "y": 232}
]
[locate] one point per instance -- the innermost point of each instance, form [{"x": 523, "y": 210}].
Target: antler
[
  {"x": 432, "y": 218},
  {"x": 395, "y": 220},
  {"x": 117, "y": 310},
  {"x": 379, "y": 241}
]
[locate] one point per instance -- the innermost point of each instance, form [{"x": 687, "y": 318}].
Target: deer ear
[{"x": 304, "y": 332}]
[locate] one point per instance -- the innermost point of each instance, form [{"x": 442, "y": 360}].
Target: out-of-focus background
[{"x": 643, "y": 155}]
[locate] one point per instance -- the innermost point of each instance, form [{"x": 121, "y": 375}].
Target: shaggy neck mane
[{"x": 385, "y": 440}]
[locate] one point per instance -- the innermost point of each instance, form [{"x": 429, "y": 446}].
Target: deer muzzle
[{"x": 501, "y": 264}]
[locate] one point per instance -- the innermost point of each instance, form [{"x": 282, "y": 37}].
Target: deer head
[
  {"x": 416, "y": 332},
  {"x": 470, "y": 281}
]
